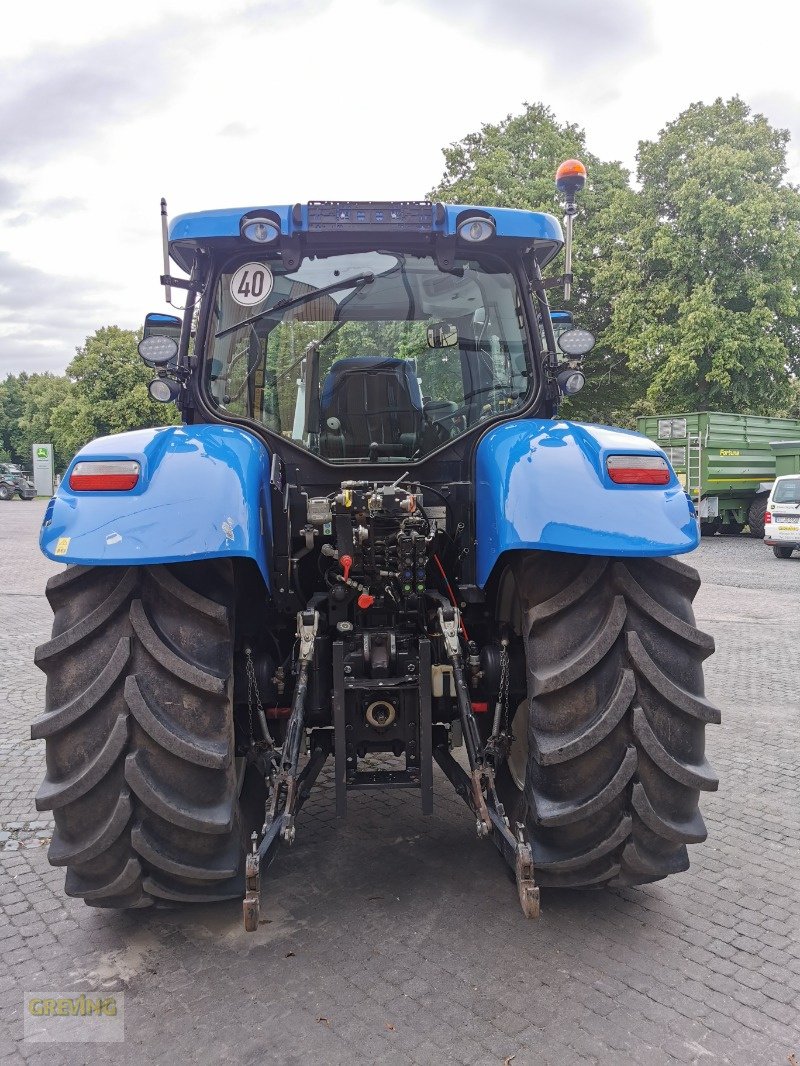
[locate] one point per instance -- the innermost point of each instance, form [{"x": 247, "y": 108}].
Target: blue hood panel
[
  {"x": 543, "y": 485},
  {"x": 203, "y": 493}
]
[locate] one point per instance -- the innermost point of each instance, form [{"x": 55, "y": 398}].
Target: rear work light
[
  {"x": 104, "y": 475},
  {"x": 638, "y": 470}
]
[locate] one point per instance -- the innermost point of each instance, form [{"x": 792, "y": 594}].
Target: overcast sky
[{"x": 107, "y": 107}]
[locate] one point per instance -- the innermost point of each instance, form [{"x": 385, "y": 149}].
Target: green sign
[{"x": 41, "y": 453}]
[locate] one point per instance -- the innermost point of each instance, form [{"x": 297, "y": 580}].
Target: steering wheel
[
  {"x": 454, "y": 411},
  {"x": 439, "y": 412}
]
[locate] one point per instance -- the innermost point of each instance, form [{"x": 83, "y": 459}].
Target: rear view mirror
[
  {"x": 160, "y": 339},
  {"x": 442, "y": 335},
  {"x": 157, "y": 325}
]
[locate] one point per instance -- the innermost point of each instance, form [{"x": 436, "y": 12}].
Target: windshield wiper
[{"x": 359, "y": 280}]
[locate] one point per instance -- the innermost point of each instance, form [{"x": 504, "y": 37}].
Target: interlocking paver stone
[{"x": 395, "y": 920}]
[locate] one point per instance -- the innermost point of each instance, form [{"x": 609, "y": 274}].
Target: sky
[{"x": 107, "y": 107}]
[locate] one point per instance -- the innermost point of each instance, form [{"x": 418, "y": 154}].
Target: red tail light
[
  {"x": 767, "y": 518},
  {"x": 104, "y": 475},
  {"x": 638, "y": 469}
]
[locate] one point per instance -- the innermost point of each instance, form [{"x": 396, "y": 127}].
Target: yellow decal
[
  {"x": 62, "y": 545},
  {"x": 728, "y": 451},
  {"x": 348, "y": 498}
]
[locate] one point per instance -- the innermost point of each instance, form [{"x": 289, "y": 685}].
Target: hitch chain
[
  {"x": 499, "y": 743},
  {"x": 480, "y": 770},
  {"x": 254, "y": 697},
  {"x": 286, "y": 779}
]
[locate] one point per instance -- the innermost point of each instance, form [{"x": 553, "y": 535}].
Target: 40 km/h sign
[{"x": 251, "y": 284}]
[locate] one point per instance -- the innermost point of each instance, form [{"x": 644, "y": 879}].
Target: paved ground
[{"x": 398, "y": 939}]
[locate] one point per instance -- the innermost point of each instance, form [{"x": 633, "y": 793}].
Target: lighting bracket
[
  {"x": 554, "y": 283},
  {"x": 180, "y": 283},
  {"x": 444, "y": 250}
]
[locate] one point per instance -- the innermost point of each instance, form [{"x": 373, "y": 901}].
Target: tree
[
  {"x": 12, "y": 399},
  {"x": 706, "y": 269},
  {"x": 44, "y": 395},
  {"x": 27, "y": 402},
  {"x": 109, "y": 391},
  {"x": 104, "y": 391},
  {"x": 513, "y": 164},
  {"x": 792, "y": 409}
]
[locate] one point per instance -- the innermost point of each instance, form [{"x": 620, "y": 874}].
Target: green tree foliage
[
  {"x": 690, "y": 281},
  {"x": 104, "y": 391},
  {"x": 110, "y": 390},
  {"x": 12, "y": 397},
  {"x": 706, "y": 268},
  {"x": 792, "y": 409},
  {"x": 513, "y": 164},
  {"x": 44, "y": 396},
  {"x": 27, "y": 404}
]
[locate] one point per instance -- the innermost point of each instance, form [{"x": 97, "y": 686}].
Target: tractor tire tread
[
  {"x": 616, "y": 718},
  {"x": 143, "y": 788}
]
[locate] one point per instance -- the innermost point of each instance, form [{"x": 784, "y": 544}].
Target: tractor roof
[{"x": 535, "y": 228}]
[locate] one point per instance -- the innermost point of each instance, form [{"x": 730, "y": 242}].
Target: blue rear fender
[
  {"x": 543, "y": 485},
  {"x": 203, "y": 493}
]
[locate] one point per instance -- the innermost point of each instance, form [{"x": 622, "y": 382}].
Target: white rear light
[
  {"x": 104, "y": 475},
  {"x": 638, "y": 469}
]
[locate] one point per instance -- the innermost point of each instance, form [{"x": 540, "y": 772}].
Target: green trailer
[
  {"x": 787, "y": 456},
  {"x": 726, "y": 462}
]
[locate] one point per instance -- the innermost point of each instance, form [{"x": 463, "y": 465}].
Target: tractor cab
[
  {"x": 364, "y": 332},
  {"x": 397, "y": 358}
]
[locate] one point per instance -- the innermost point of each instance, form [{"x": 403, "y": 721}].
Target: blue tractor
[{"x": 371, "y": 539}]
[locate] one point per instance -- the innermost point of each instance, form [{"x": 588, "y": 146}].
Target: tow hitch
[
  {"x": 263, "y": 852},
  {"x": 288, "y": 789},
  {"x": 515, "y": 849}
]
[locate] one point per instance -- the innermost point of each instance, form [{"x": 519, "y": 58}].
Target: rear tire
[
  {"x": 141, "y": 775},
  {"x": 755, "y": 516},
  {"x": 615, "y": 718},
  {"x": 6, "y": 493},
  {"x": 782, "y": 553}
]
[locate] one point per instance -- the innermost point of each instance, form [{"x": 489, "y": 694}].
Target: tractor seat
[{"x": 370, "y": 405}]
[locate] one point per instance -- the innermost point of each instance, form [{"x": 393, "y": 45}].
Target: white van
[{"x": 782, "y": 518}]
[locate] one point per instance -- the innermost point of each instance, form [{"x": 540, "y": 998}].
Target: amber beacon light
[{"x": 570, "y": 179}]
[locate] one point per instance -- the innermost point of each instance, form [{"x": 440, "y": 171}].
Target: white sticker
[{"x": 251, "y": 284}]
